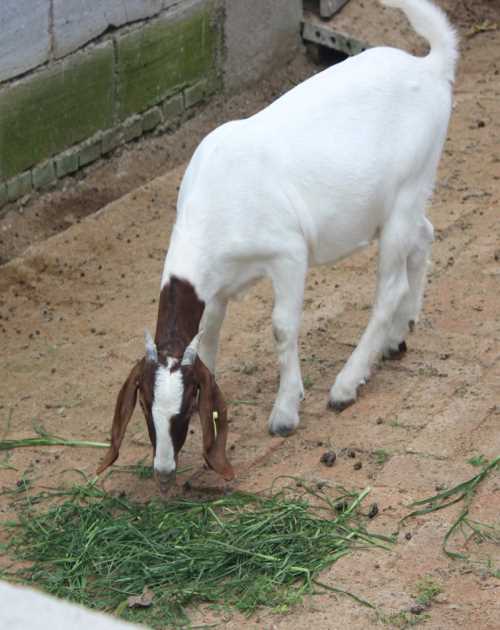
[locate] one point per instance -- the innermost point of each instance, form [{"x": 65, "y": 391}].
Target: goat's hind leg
[
  {"x": 408, "y": 311},
  {"x": 288, "y": 277},
  {"x": 392, "y": 289}
]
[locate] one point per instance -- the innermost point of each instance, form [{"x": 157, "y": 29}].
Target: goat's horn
[
  {"x": 151, "y": 351},
  {"x": 191, "y": 352}
]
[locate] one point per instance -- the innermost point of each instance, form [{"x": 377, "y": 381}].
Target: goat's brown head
[{"x": 170, "y": 389}]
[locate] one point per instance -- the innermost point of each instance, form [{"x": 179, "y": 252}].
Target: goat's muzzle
[{"x": 165, "y": 481}]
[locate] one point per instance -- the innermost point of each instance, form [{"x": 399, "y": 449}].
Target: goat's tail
[{"x": 432, "y": 24}]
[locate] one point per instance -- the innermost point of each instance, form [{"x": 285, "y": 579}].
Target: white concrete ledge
[{"x": 23, "y": 608}]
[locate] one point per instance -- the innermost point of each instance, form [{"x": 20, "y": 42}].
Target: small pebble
[
  {"x": 358, "y": 466},
  {"x": 351, "y": 453},
  {"x": 328, "y": 458},
  {"x": 408, "y": 536},
  {"x": 380, "y": 421},
  {"x": 341, "y": 506},
  {"x": 187, "y": 486},
  {"x": 417, "y": 610}
]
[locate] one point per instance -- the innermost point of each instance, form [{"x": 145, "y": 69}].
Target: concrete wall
[
  {"x": 80, "y": 77},
  {"x": 259, "y": 36},
  {"x": 23, "y": 608}
]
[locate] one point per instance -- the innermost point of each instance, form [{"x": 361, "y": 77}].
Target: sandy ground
[{"x": 73, "y": 308}]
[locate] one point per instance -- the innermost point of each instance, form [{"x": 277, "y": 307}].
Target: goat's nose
[{"x": 165, "y": 480}]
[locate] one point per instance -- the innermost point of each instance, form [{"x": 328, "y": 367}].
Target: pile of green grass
[{"x": 241, "y": 550}]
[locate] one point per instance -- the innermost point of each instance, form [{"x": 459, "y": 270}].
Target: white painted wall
[
  {"x": 24, "y": 36},
  {"x": 33, "y": 32},
  {"x": 78, "y": 21}
]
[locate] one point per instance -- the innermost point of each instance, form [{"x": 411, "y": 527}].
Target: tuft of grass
[
  {"x": 248, "y": 369},
  {"x": 403, "y": 619},
  {"x": 45, "y": 439},
  {"x": 465, "y": 492},
  {"x": 251, "y": 403},
  {"x": 140, "y": 469},
  {"x": 381, "y": 456},
  {"x": 242, "y": 550},
  {"x": 477, "y": 460},
  {"x": 49, "y": 440},
  {"x": 395, "y": 424},
  {"x": 427, "y": 590},
  {"x": 308, "y": 382}
]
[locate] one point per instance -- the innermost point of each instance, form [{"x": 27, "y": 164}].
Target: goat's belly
[
  {"x": 337, "y": 239},
  {"x": 328, "y": 252}
]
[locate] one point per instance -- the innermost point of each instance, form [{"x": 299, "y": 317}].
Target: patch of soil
[{"x": 72, "y": 312}]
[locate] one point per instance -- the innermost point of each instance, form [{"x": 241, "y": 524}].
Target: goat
[{"x": 348, "y": 156}]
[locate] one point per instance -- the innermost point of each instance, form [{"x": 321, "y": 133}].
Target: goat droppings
[{"x": 328, "y": 458}]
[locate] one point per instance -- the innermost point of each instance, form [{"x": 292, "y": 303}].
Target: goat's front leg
[
  {"x": 211, "y": 324},
  {"x": 288, "y": 281}
]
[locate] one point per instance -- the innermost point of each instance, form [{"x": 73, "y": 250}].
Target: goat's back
[{"x": 329, "y": 156}]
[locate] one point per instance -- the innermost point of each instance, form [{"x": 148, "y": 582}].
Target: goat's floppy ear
[
  {"x": 124, "y": 408},
  {"x": 213, "y": 417}
]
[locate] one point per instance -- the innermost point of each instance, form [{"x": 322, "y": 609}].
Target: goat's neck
[{"x": 179, "y": 314}]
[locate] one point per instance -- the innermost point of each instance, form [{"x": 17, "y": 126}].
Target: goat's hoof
[
  {"x": 392, "y": 354},
  {"x": 282, "y": 431},
  {"x": 282, "y": 423},
  {"x": 339, "y": 405}
]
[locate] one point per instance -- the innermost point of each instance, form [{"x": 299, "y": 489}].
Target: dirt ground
[{"x": 73, "y": 308}]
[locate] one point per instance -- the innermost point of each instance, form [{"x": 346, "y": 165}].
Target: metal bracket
[{"x": 325, "y": 36}]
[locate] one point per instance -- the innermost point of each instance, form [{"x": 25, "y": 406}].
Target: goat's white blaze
[{"x": 167, "y": 402}]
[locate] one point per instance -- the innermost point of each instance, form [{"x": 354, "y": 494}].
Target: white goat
[{"x": 348, "y": 156}]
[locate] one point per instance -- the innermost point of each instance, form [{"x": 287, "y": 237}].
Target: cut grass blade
[
  {"x": 465, "y": 492},
  {"x": 48, "y": 440},
  {"x": 242, "y": 550}
]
